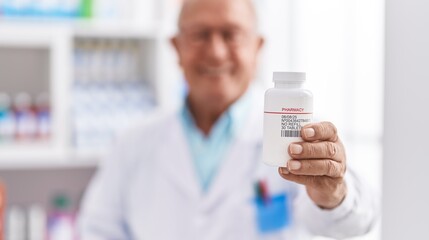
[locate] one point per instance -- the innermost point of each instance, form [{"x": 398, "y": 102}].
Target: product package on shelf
[
  {"x": 36, "y": 222},
  {"x": 24, "y": 118},
  {"x": 109, "y": 93},
  {"x": 43, "y": 8}
]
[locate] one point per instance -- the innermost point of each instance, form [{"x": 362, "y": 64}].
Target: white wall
[{"x": 406, "y": 162}]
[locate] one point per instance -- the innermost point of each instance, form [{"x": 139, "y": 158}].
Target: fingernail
[
  {"x": 309, "y": 132},
  {"x": 294, "y": 165},
  {"x": 284, "y": 170},
  {"x": 295, "y": 149}
]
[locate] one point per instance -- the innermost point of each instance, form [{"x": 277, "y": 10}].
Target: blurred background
[{"x": 76, "y": 73}]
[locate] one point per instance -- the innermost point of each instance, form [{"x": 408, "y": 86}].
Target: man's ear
[
  {"x": 175, "y": 43},
  {"x": 261, "y": 42}
]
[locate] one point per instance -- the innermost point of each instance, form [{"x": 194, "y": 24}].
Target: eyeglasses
[{"x": 201, "y": 37}]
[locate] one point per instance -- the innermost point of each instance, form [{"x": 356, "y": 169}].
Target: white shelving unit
[
  {"x": 55, "y": 41},
  {"x": 58, "y": 39}
]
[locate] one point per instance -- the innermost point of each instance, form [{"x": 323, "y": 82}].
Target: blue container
[{"x": 274, "y": 214}]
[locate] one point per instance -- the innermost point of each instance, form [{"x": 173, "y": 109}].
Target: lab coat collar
[
  {"x": 236, "y": 166},
  {"x": 182, "y": 173},
  {"x": 180, "y": 167}
]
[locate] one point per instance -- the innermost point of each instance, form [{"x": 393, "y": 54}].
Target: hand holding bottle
[{"x": 319, "y": 163}]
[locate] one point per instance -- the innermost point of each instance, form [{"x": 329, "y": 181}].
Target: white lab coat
[{"x": 147, "y": 189}]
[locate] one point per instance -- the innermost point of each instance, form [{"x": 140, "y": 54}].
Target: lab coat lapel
[
  {"x": 178, "y": 164},
  {"x": 240, "y": 163}
]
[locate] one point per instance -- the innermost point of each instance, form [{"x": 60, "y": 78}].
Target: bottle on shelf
[
  {"x": 44, "y": 9},
  {"x": 7, "y": 121},
  {"x": 43, "y": 113},
  {"x": 109, "y": 93},
  {"x": 25, "y": 118},
  {"x": 36, "y": 222},
  {"x": 61, "y": 220},
  {"x": 15, "y": 223}
]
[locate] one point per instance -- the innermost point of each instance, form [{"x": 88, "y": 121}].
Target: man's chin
[
  {"x": 216, "y": 78},
  {"x": 215, "y": 100},
  {"x": 220, "y": 98}
]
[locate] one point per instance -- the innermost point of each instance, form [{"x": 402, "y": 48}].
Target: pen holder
[{"x": 272, "y": 214}]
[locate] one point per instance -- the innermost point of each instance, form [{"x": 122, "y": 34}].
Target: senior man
[{"x": 191, "y": 174}]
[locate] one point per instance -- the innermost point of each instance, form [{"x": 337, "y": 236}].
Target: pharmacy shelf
[
  {"x": 27, "y": 154},
  {"x": 33, "y": 157},
  {"x": 56, "y": 42},
  {"x": 28, "y": 150},
  {"x": 87, "y": 28},
  {"x": 59, "y": 37},
  {"x": 44, "y": 163},
  {"x": 114, "y": 29},
  {"x": 41, "y": 156}
]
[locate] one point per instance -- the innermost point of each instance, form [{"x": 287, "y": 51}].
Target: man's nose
[{"x": 217, "y": 49}]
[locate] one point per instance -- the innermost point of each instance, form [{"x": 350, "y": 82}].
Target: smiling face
[{"x": 217, "y": 47}]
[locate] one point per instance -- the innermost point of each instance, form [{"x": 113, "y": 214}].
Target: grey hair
[{"x": 251, "y": 4}]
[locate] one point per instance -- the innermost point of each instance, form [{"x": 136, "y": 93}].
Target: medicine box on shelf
[{"x": 114, "y": 87}]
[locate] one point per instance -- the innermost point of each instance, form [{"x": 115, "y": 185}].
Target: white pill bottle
[{"x": 288, "y": 107}]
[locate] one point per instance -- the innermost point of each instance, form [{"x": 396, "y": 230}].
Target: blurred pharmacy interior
[{"x": 74, "y": 74}]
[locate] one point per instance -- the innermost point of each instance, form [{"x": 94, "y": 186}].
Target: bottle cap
[
  {"x": 5, "y": 101},
  {"x": 289, "y": 77},
  {"x": 61, "y": 202},
  {"x": 22, "y": 101},
  {"x": 43, "y": 101}
]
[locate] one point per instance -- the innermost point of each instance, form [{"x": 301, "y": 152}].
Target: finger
[
  {"x": 323, "y": 167},
  {"x": 316, "y": 150},
  {"x": 283, "y": 170},
  {"x": 323, "y": 131},
  {"x": 317, "y": 182}
]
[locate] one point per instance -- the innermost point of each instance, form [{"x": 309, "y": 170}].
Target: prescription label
[
  {"x": 281, "y": 128},
  {"x": 291, "y": 124}
]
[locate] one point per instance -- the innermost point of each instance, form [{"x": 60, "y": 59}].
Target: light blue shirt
[{"x": 207, "y": 152}]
